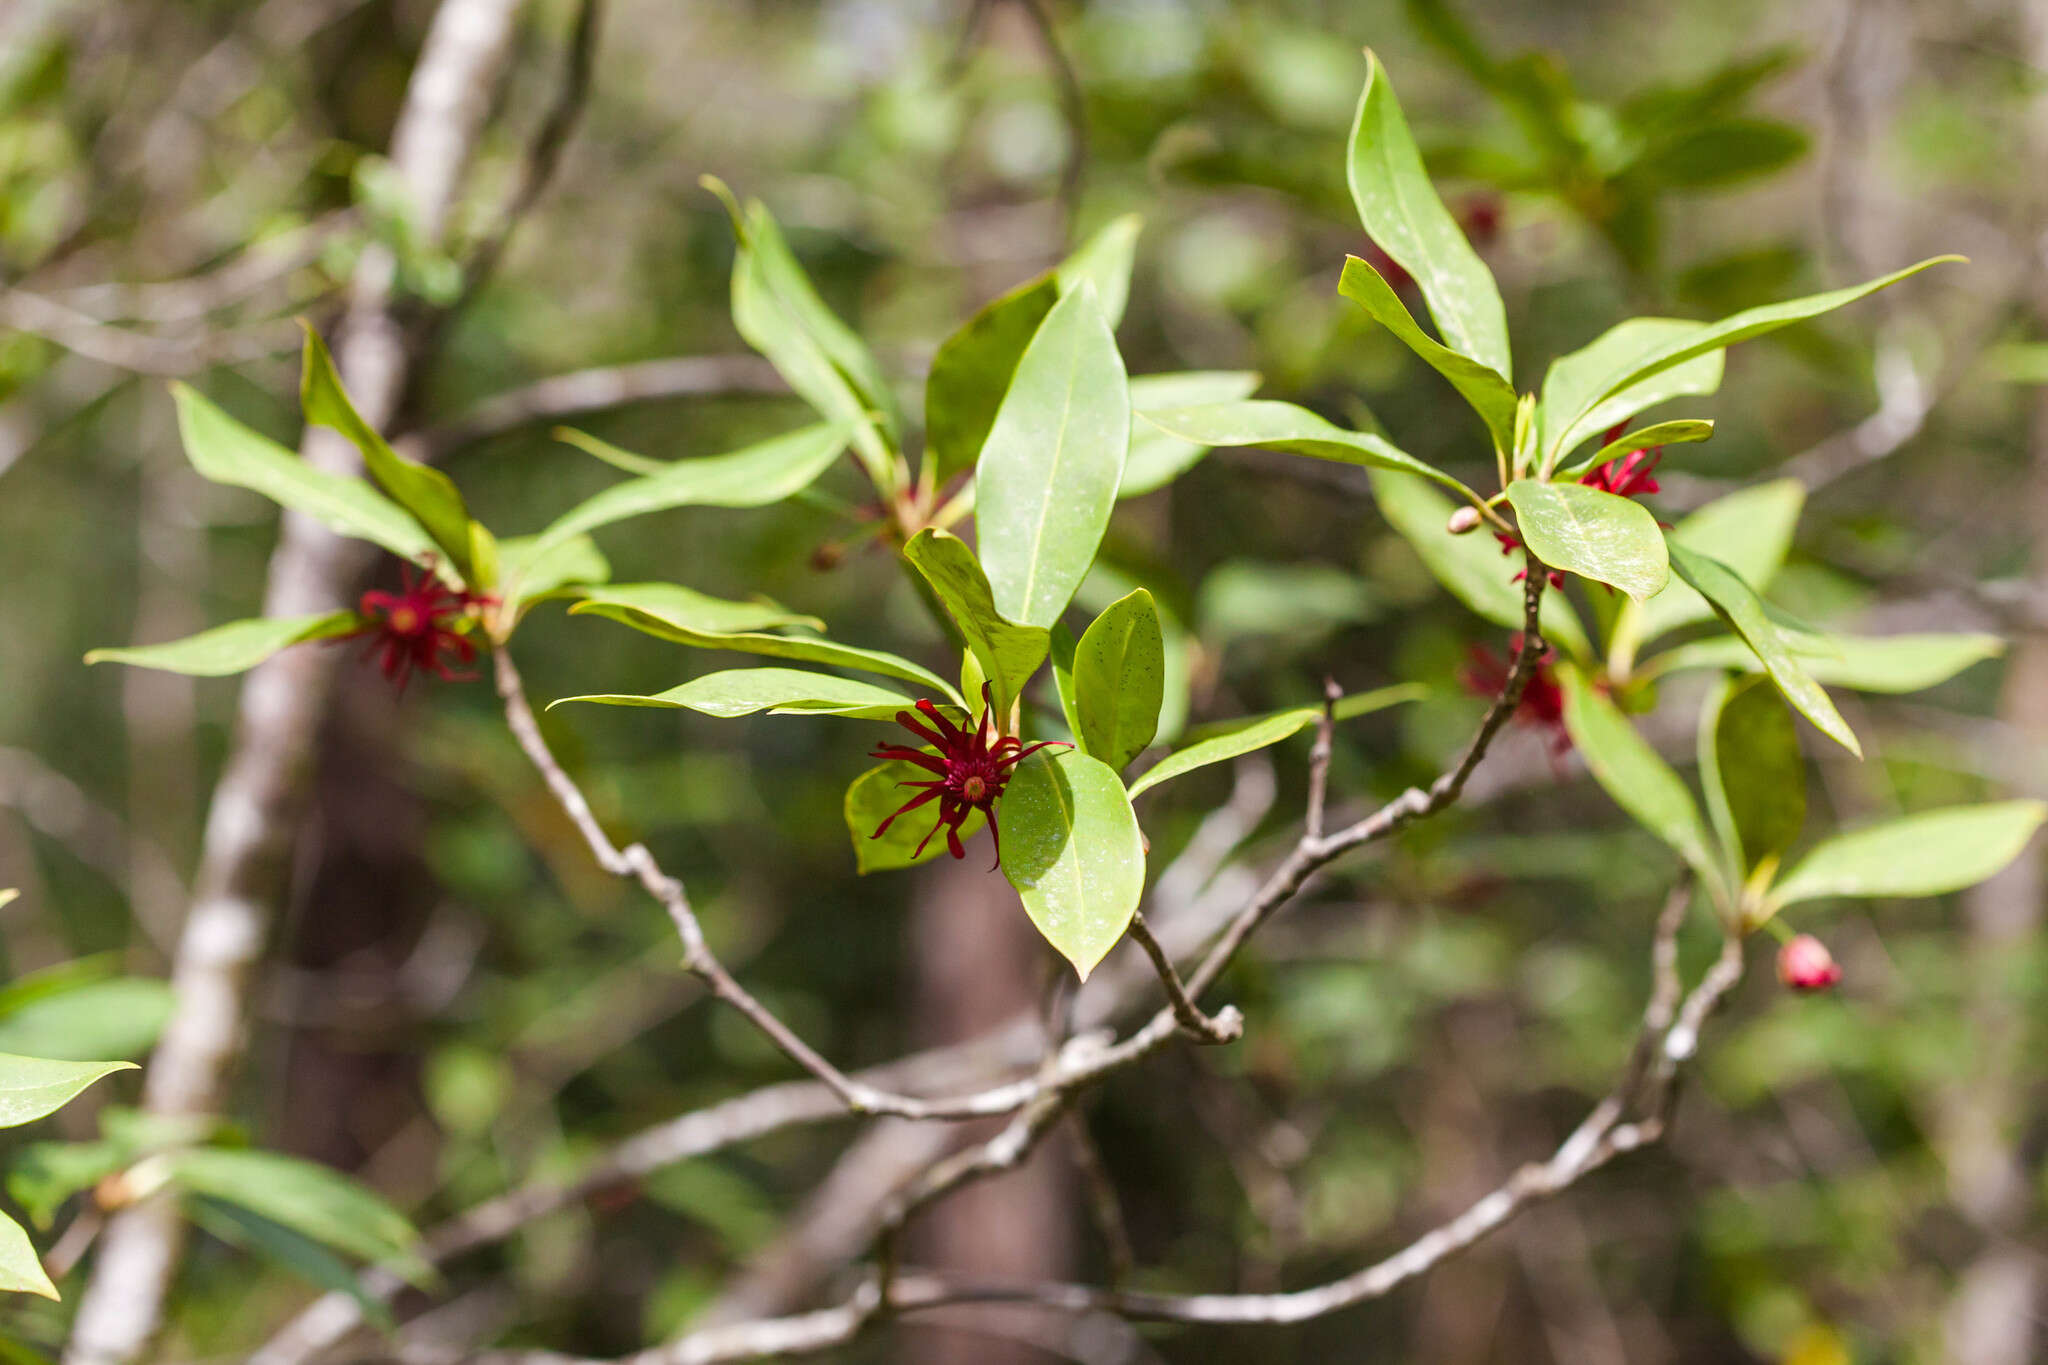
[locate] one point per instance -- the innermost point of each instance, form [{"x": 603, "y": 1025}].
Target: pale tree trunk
[{"x": 246, "y": 854}]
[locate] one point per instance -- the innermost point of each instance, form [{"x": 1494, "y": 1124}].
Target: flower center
[
  {"x": 974, "y": 788},
  {"x": 404, "y": 620}
]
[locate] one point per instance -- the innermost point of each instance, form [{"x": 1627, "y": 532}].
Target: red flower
[
  {"x": 969, "y": 770},
  {"x": 415, "y": 630},
  {"x": 1633, "y": 473},
  {"x": 1510, "y": 543},
  {"x": 1542, "y": 706},
  {"x": 1805, "y": 964}
]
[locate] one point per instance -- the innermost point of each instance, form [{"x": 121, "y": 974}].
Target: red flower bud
[{"x": 1805, "y": 964}]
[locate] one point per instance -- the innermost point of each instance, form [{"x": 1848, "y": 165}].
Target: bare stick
[{"x": 1226, "y": 1027}]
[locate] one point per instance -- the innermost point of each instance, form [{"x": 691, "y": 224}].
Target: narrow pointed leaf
[
  {"x": 1119, "y": 678},
  {"x": 31, "y": 1087},
  {"x": 233, "y": 648},
  {"x": 427, "y": 494},
  {"x": 1008, "y": 653},
  {"x": 873, "y": 797},
  {"x": 290, "y": 1250},
  {"x": 1739, "y": 606},
  {"x": 1072, "y": 849},
  {"x": 1402, "y": 212},
  {"x": 528, "y": 577},
  {"x": 1104, "y": 261},
  {"x": 1274, "y": 425},
  {"x": 1684, "y": 431},
  {"x": 1156, "y": 458},
  {"x": 972, "y": 371},
  {"x": 21, "y": 1270},
  {"x": 678, "y": 615},
  {"x": 779, "y": 691},
  {"x": 1883, "y": 664},
  {"x": 755, "y": 476},
  {"x": 843, "y": 346},
  {"x": 1928, "y": 854},
  {"x": 1481, "y": 385},
  {"x": 1592, "y": 533},
  {"x": 1750, "y": 531},
  {"x": 225, "y": 451},
  {"x": 1471, "y": 567},
  {"x": 1639, "y": 781},
  {"x": 1048, "y": 474},
  {"x": 1221, "y": 742},
  {"x": 312, "y": 1200},
  {"x": 1572, "y": 411},
  {"x": 1753, "y": 772}
]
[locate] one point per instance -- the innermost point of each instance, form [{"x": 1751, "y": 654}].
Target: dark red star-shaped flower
[
  {"x": 1542, "y": 706},
  {"x": 969, "y": 770},
  {"x": 416, "y": 629}
]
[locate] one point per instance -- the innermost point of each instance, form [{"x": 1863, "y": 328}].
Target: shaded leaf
[
  {"x": 873, "y": 797},
  {"x": 1072, "y": 849},
  {"x": 1008, "y": 653},
  {"x": 1217, "y": 743},
  {"x": 290, "y": 1250},
  {"x": 232, "y": 648},
  {"x": 118, "y": 1018},
  {"x": 312, "y": 1200},
  {"x": 1592, "y": 533},
  {"x": 972, "y": 371},
  {"x": 1750, "y": 531},
  {"x": 1119, "y": 678},
  {"x": 1753, "y": 772}
]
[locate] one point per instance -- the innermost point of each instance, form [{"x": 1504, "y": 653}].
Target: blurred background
[{"x": 454, "y": 1002}]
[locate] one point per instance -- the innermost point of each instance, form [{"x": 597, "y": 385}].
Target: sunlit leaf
[
  {"x": 1008, "y": 653},
  {"x": 21, "y": 1270},
  {"x": 1228, "y": 739},
  {"x": 1072, "y": 849},
  {"x": 779, "y": 691},
  {"x": 1750, "y": 531},
  {"x": 1928, "y": 854},
  {"x": 1884, "y": 663},
  {"x": 1574, "y": 382},
  {"x": 1481, "y": 385},
  {"x": 1119, "y": 676},
  {"x": 1157, "y": 458},
  {"x": 31, "y": 1087},
  {"x": 1283, "y": 426},
  {"x": 233, "y": 648},
  {"x": 1593, "y": 533}
]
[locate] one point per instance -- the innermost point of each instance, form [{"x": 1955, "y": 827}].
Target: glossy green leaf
[
  {"x": 677, "y": 614},
  {"x": 21, "y": 1270},
  {"x": 528, "y": 576},
  {"x": 873, "y": 797},
  {"x": 755, "y": 476},
  {"x": 1928, "y": 854},
  {"x": 1481, "y": 385},
  {"x": 1275, "y": 425},
  {"x": 289, "y": 1250},
  {"x": 1639, "y": 781},
  {"x": 94, "y": 1019},
  {"x": 1157, "y": 458},
  {"x": 972, "y": 371},
  {"x": 1884, "y": 664},
  {"x": 1751, "y": 322},
  {"x": 1750, "y": 531},
  {"x": 312, "y": 1200},
  {"x": 1572, "y": 410},
  {"x": 426, "y": 493},
  {"x": 1400, "y": 209},
  {"x": 1739, "y": 606},
  {"x": 1049, "y": 471},
  {"x": 1104, "y": 261},
  {"x": 1072, "y": 849},
  {"x": 31, "y": 1087},
  {"x": 778, "y": 691},
  {"x": 1227, "y": 740},
  {"x": 1008, "y": 653},
  {"x": 1752, "y": 770},
  {"x": 1063, "y": 646},
  {"x": 1592, "y": 533},
  {"x": 1119, "y": 678},
  {"x": 225, "y": 451},
  {"x": 1684, "y": 431},
  {"x": 1471, "y": 566},
  {"x": 232, "y": 648}
]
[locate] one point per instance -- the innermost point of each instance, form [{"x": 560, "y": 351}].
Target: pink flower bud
[
  {"x": 1463, "y": 521},
  {"x": 1805, "y": 964}
]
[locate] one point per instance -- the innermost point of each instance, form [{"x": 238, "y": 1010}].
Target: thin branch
[
  {"x": 1319, "y": 760},
  {"x": 1105, "y": 1210},
  {"x": 1226, "y": 1027}
]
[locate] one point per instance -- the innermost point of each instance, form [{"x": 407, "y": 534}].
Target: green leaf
[
  {"x": 1104, "y": 261},
  {"x": 1920, "y": 855},
  {"x": 119, "y": 1018},
  {"x": 21, "y": 1271},
  {"x": 232, "y": 648},
  {"x": 1156, "y": 459},
  {"x": 42, "y": 1175},
  {"x": 297, "y": 1254},
  {"x": 529, "y": 576},
  {"x": 1573, "y": 383},
  {"x": 778, "y": 691},
  {"x": 1640, "y": 782},
  {"x": 972, "y": 371},
  {"x": 1481, "y": 385},
  {"x": 31, "y": 1087},
  {"x": 759, "y": 474},
  {"x": 1401, "y": 210},
  {"x": 312, "y": 1200},
  {"x": 1751, "y": 322},
  {"x": 1217, "y": 743},
  {"x": 1283, "y": 426},
  {"x": 1723, "y": 153},
  {"x": 1119, "y": 678},
  {"x": 1009, "y": 653},
  {"x": 1750, "y": 531},
  {"x": 1072, "y": 849},
  {"x": 677, "y": 614},
  {"x": 1063, "y": 646},
  {"x": 1684, "y": 431},
  {"x": 1754, "y": 775},
  {"x": 1740, "y": 607},
  {"x": 1471, "y": 566},
  {"x": 1049, "y": 471},
  {"x": 428, "y": 494},
  {"x": 873, "y": 797},
  {"x": 1592, "y": 533},
  {"x": 1885, "y": 664},
  {"x": 225, "y": 451}
]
